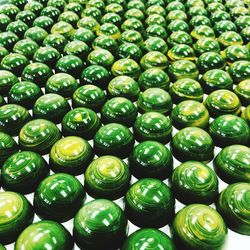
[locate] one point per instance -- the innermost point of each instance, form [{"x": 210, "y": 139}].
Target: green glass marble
[
  {"x": 16, "y": 214},
  {"x": 56, "y": 41},
  {"x": 190, "y": 113},
  {"x": 71, "y": 155},
  {"x": 154, "y": 59},
  {"x": 181, "y": 52},
  {"x": 61, "y": 83},
  {"x": 47, "y": 55},
  {"x": 129, "y": 50},
  {"x": 155, "y": 9},
  {"x": 219, "y": 15},
  {"x": 44, "y": 22},
  {"x": 39, "y": 135},
  {"x": 156, "y": 31},
  {"x": 148, "y": 238},
  {"x": 69, "y": 17},
  {"x": 23, "y": 171},
  {"x": 213, "y": 6},
  {"x": 77, "y": 48},
  {"x": 186, "y": 89},
  {"x": 127, "y": 67},
  {"x": 207, "y": 44},
  {"x": 221, "y": 102},
  {"x": 149, "y": 203},
  {"x": 101, "y": 57},
  {"x": 135, "y": 13},
  {"x": 242, "y": 90},
  {"x": 10, "y": 10},
  {"x": 96, "y": 75},
  {"x": 99, "y": 4},
  {"x": 135, "y": 24},
  {"x": 110, "y": 30},
  {"x": 3, "y": 52},
  {"x": 105, "y": 42},
  {"x": 58, "y": 197},
  {"x": 33, "y": 6},
  {"x": 199, "y": 20},
  {"x": 7, "y": 80},
  {"x": 230, "y": 38},
  {"x": 210, "y": 60},
  {"x": 60, "y": 4},
  {"x": 202, "y": 31},
  {"x": 42, "y": 234},
  {"x": 37, "y": 72},
  {"x": 113, "y": 139},
  {"x": 179, "y": 37},
  {"x": 239, "y": 11},
  {"x": 154, "y": 78},
  {"x": 183, "y": 69},
  {"x": 75, "y": 7},
  {"x": 12, "y": 118},
  {"x": 230, "y": 129},
  {"x": 15, "y": 63},
  {"x": 124, "y": 86},
  {"x": 17, "y": 27},
  {"x": 235, "y": 53},
  {"x": 246, "y": 114},
  {"x": 176, "y": 14},
  {"x": 192, "y": 143},
  {"x": 84, "y": 35},
  {"x": 199, "y": 226},
  {"x": 111, "y": 18},
  {"x": 62, "y": 28},
  {"x": 239, "y": 70},
  {"x": 216, "y": 79},
  {"x": 233, "y": 206},
  {"x": 107, "y": 177},
  {"x": 224, "y": 26},
  {"x": 194, "y": 182},
  {"x": 119, "y": 110},
  {"x": 4, "y": 21},
  {"x": 153, "y": 126},
  {"x": 52, "y": 107},
  {"x": 232, "y": 164},
  {"x": 26, "y": 47},
  {"x": 155, "y": 19},
  {"x": 245, "y": 34},
  {"x": 8, "y": 146},
  {"x": 100, "y": 224},
  {"x": 151, "y": 159},
  {"x": 136, "y": 4},
  {"x": 81, "y": 122},
  {"x": 175, "y": 6},
  {"x": 89, "y": 96},
  {"x": 155, "y": 44},
  {"x": 156, "y": 100},
  {"x": 177, "y": 25},
  {"x": 242, "y": 22},
  {"x": 115, "y": 8},
  {"x": 8, "y": 40},
  {"x": 36, "y": 34},
  {"x": 89, "y": 23}
]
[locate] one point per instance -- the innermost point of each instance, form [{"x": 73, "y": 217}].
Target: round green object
[
  {"x": 84, "y": 35},
  {"x": 243, "y": 91},
  {"x": 26, "y": 47},
  {"x": 75, "y": 7},
  {"x": 246, "y": 114},
  {"x": 119, "y": 110},
  {"x": 89, "y": 96},
  {"x": 127, "y": 67},
  {"x": 101, "y": 57},
  {"x": 155, "y": 44},
  {"x": 88, "y": 22},
  {"x": 215, "y": 79},
  {"x": 44, "y": 22},
  {"x": 15, "y": 63},
  {"x": 77, "y": 48},
  {"x": 179, "y": 37},
  {"x": 148, "y": 238},
  {"x": 39, "y": 135},
  {"x": 113, "y": 139},
  {"x": 4, "y": 21},
  {"x": 235, "y": 53},
  {"x": 100, "y": 224},
  {"x": 232, "y": 164},
  {"x": 221, "y": 102},
  {"x": 17, "y": 27},
  {"x": 8, "y": 40},
  {"x": 153, "y": 126},
  {"x": 194, "y": 182},
  {"x": 8, "y": 147},
  {"x": 156, "y": 100},
  {"x": 233, "y": 206},
  {"x": 151, "y": 159},
  {"x": 52, "y": 107},
  {"x": 156, "y": 9},
  {"x": 155, "y": 19},
  {"x": 62, "y": 28},
  {"x": 111, "y": 18},
  {"x": 156, "y": 31},
  {"x": 45, "y": 233},
  {"x": 3, "y": 52},
  {"x": 193, "y": 143},
  {"x": 183, "y": 69},
  {"x": 154, "y": 59},
  {"x": 110, "y": 30},
  {"x": 199, "y": 20},
  {"x": 51, "y": 12},
  {"x": 199, "y": 226},
  {"x": 24, "y": 93},
  {"x": 33, "y": 6},
  {"x": 96, "y": 75},
  {"x": 9, "y": 9},
  {"x": 190, "y": 113},
  {"x": 36, "y": 34},
  {"x": 181, "y": 52},
  {"x": 230, "y": 38},
  {"x": 59, "y": 197},
  {"x": 16, "y": 214},
  {"x": 206, "y": 44},
  {"x": 60, "y": 4},
  {"x": 12, "y": 118},
  {"x": 47, "y": 55},
  {"x": 230, "y": 129},
  {"x": 186, "y": 89},
  {"x": 61, "y": 83},
  {"x": 224, "y": 26},
  {"x": 124, "y": 86},
  {"x": 210, "y": 60},
  {"x": 240, "y": 70},
  {"x": 56, "y": 41},
  {"x": 107, "y": 177},
  {"x": 37, "y": 72},
  {"x": 71, "y": 154},
  {"x": 134, "y": 13},
  {"x": 177, "y": 25},
  {"x": 69, "y": 17},
  {"x": 82, "y": 122},
  {"x": 7, "y": 80},
  {"x": 129, "y": 50},
  {"x": 154, "y": 78},
  {"x": 149, "y": 203},
  {"x": 202, "y": 31},
  {"x": 105, "y": 42},
  {"x": 23, "y": 171}
]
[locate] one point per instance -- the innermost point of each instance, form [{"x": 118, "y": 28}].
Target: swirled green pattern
[
  {"x": 70, "y": 154},
  {"x": 16, "y": 213},
  {"x": 107, "y": 177},
  {"x": 100, "y": 224},
  {"x": 39, "y": 135},
  {"x": 194, "y": 182},
  {"x": 233, "y": 205},
  {"x": 198, "y": 227},
  {"x": 23, "y": 171}
]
